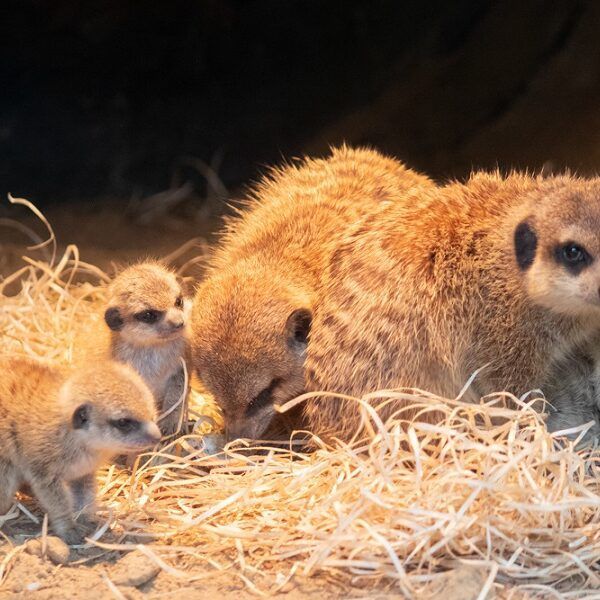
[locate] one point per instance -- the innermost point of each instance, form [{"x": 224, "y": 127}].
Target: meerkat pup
[
  {"x": 58, "y": 426},
  {"x": 147, "y": 315},
  {"x": 252, "y": 314},
  {"x": 501, "y": 273}
]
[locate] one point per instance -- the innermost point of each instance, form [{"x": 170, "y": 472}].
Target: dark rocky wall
[{"x": 110, "y": 97}]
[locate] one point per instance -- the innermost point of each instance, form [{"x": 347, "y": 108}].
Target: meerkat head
[
  {"x": 110, "y": 409},
  {"x": 249, "y": 341},
  {"x": 557, "y": 246},
  {"x": 147, "y": 305}
]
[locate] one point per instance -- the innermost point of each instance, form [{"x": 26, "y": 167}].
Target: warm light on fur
[
  {"x": 56, "y": 429},
  {"x": 155, "y": 350},
  {"x": 268, "y": 266},
  {"x": 486, "y": 486},
  {"x": 433, "y": 287}
]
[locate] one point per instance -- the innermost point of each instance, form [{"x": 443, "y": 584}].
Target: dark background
[{"x": 114, "y": 98}]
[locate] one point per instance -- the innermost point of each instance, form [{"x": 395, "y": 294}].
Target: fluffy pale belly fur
[
  {"x": 155, "y": 364},
  {"x": 161, "y": 369}
]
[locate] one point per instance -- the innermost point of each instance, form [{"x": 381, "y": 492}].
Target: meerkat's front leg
[
  {"x": 9, "y": 482},
  {"x": 83, "y": 491},
  {"x": 55, "y": 499},
  {"x": 173, "y": 392}
]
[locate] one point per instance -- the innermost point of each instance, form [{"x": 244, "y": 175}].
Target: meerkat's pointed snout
[
  {"x": 153, "y": 433},
  {"x": 251, "y": 429},
  {"x": 176, "y": 323}
]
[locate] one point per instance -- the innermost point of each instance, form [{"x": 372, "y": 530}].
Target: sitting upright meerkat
[
  {"x": 501, "y": 273},
  {"x": 147, "y": 314},
  {"x": 57, "y": 427},
  {"x": 252, "y": 314}
]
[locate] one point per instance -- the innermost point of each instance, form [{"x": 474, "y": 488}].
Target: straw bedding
[{"x": 487, "y": 486}]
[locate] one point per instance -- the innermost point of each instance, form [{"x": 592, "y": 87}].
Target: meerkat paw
[{"x": 71, "y": 534}]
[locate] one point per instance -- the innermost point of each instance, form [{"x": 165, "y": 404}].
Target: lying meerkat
[
  {"x": 252, "y": 314},
  {"x": 147, "y": 314},
  {"x": 58, "y": 426},
  {"x": 503, "y": 272}
]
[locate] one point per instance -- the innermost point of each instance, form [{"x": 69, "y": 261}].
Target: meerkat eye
[
  {"x": 573, "y": 253},
  {"x": 574, "y": 257},
  {"x": 148, "y": 316},
  {"x": 264, "y": 398},
  {"x": 125, "y": 425},
  {"x": 179, "y": 302}
]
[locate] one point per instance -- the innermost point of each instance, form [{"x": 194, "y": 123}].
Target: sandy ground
[
  {"x": 94, "y": 574},
  {"x": 134, "y": 576}
]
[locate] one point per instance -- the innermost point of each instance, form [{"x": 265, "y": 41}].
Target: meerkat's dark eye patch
[
  {"x": 125, "y": 424},
  {"x": 263, "y": 399},
  {"x": 148, "y": 316},
  {"x": 573, "y": 257},
  {"x": 525, "y": 241},
  {"x": 179, "y": 302},
  {"x": 81, "y": 417},
  {"x": 113, "y": 319}
]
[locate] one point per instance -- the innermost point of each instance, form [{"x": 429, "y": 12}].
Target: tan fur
[
  {"x": 57, "y": 454},
  {"x": 153, "y": 350},
  {"x": 260, "y": 290},
  {"x": 427, "y": 290}
]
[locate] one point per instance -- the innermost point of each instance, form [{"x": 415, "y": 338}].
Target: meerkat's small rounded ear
[
  {"x": 81, "y": 417},
  {"x": 298, "y": 327},
  {"x": 113, "y": 319},
  {"x": 525, "y": 240},
  {"x": 187, "y": 285}
]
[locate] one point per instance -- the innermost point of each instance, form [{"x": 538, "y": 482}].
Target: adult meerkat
[
  {"x": 147, "y": 313},
  {"x": 503, "y": 272},
  {"x": 252, "y": 314},
  {"x": 57, "y": 427}
]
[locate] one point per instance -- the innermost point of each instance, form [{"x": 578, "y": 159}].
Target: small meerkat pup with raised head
[
  {"x": 252, "y": 314},
  {"x": 57, "y": 426},
  {"x": 501, "y": 273},
  {"x": 147, "y": 315}
]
